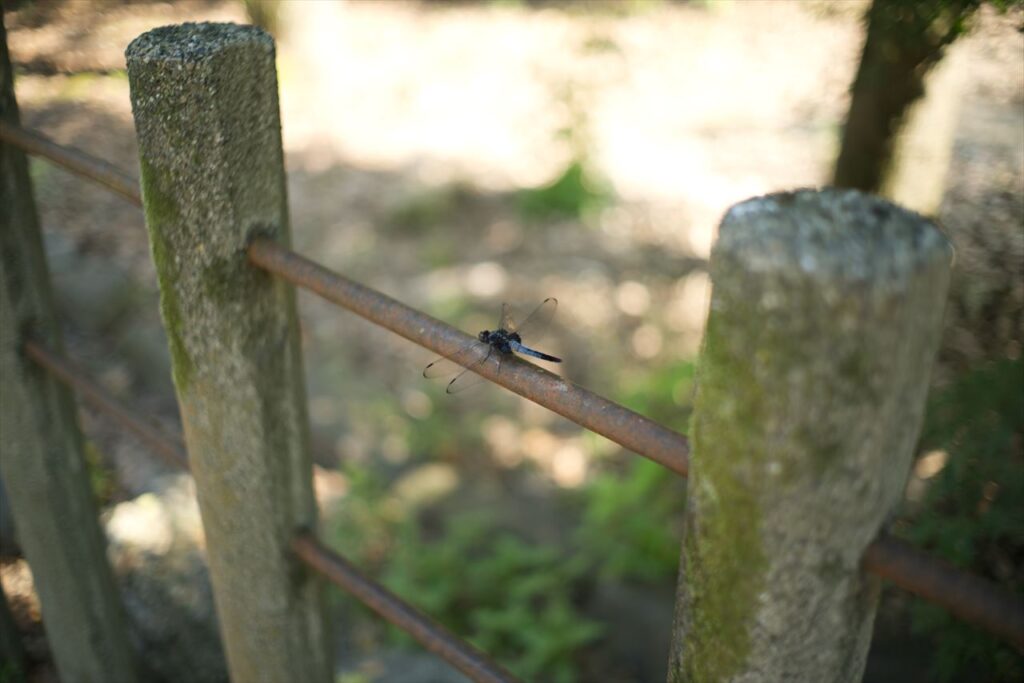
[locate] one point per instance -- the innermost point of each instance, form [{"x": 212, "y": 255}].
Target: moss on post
[
  {"x": 204, "y": 97},
  {"x": 825, "y": 317},
  {"x": 41, "y": 448}
]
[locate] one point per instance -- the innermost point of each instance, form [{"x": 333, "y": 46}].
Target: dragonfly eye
[{"x": 484, "y": 336}]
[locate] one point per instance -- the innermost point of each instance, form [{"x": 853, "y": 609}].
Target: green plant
[
  {"x": 514, "y": 599},
  {"x": 973, "y": 513},
  {"x": 632, "y": 525},
  {"x": 364, "y": 525},
  {"x": 632, "y": 522},
  {"x": 353, "y": 677},
  {"x": 576, "y": 193}
]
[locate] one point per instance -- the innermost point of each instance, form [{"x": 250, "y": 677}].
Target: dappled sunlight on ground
[{"x": 676, "y": 105}]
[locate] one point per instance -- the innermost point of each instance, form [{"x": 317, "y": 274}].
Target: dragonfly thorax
[{"x": 500, "y": 339}]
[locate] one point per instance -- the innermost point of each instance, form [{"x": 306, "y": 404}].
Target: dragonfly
[{"x": 501, "y": 343}]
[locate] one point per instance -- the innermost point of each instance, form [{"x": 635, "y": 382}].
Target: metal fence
[{"x": 969, "y": 597}]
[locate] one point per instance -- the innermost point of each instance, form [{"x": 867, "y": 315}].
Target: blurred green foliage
[
  {"x": 631, "y": 527},
  {"x": 973, "y": 512},
  {"x": 663, "y": 393},
  {"x": 579, "y": 191},
  {"x": 353, "y": 677},
  {"x": 10, "y": 673},
  {"x": 514, "y": 600},
  {"x": 366, "y": 523},
  {"x": 576, "y": 193}
]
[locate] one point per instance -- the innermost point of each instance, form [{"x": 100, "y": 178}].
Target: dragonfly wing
[
  {"x": 534, "y": 327},
  {"x": 468, "y": 378},
  {"x": 508, "y": 318},
  {"x": 472, "y": 353}
]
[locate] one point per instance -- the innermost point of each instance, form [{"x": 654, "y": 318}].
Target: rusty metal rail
[
  {"x": 623, "y": 426},
  {"x": 74, "y": 160},
  {"x": 170, "y": 447},
  {"x": 969, "y": 597},
  {"x": 314, "y": 554},
  {"x": 429, "y": 634}
]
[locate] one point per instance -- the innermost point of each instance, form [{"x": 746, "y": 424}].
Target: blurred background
[{"x": 456, "y": 155}]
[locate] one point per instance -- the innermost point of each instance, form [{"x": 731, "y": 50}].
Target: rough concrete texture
[
  {"x": 41, "y": 458},
  {"x": 204, "y": 97},
  {"x": 825, "y": 318}
]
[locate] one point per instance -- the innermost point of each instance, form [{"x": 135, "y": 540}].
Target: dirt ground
[{"x": 409, "y": 127}]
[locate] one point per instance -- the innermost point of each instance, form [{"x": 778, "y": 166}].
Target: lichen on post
[
  {"x": 826, "y": 310},
  {"x": 204, "y": 97}
]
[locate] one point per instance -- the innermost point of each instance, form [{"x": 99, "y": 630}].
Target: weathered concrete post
[
  {"x": 825, "y": 317},
  {"x": 204, "y": 98},
  {"x": 41, "y": 459}
]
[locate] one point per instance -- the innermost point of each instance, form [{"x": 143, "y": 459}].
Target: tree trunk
[{"x": 904, "y": 41}]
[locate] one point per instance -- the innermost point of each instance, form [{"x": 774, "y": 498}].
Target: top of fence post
[
  {"x": 204, "y": 97},
  {"x": 826, "y": 310}
]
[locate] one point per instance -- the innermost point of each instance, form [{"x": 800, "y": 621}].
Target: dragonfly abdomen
[{"x": 527, "y": 351}]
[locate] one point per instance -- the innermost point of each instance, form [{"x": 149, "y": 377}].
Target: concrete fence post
[
  {"x": 41, "y": 460},
  {"x": 826, "y": 310},
  {"x": 204, "y": 97}
]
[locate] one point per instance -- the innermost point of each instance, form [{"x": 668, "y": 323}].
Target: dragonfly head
[{"x": 484, "y": 336}]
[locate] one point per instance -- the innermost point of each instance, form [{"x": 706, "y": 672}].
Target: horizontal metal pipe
[
  {"x": 426, "y": 631},
  {"x": 169, "y": 447},
  {"x": 967, "y": 596},
  {"x": 623, "y": 426},
  {"x": 74, "y": 160}
]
